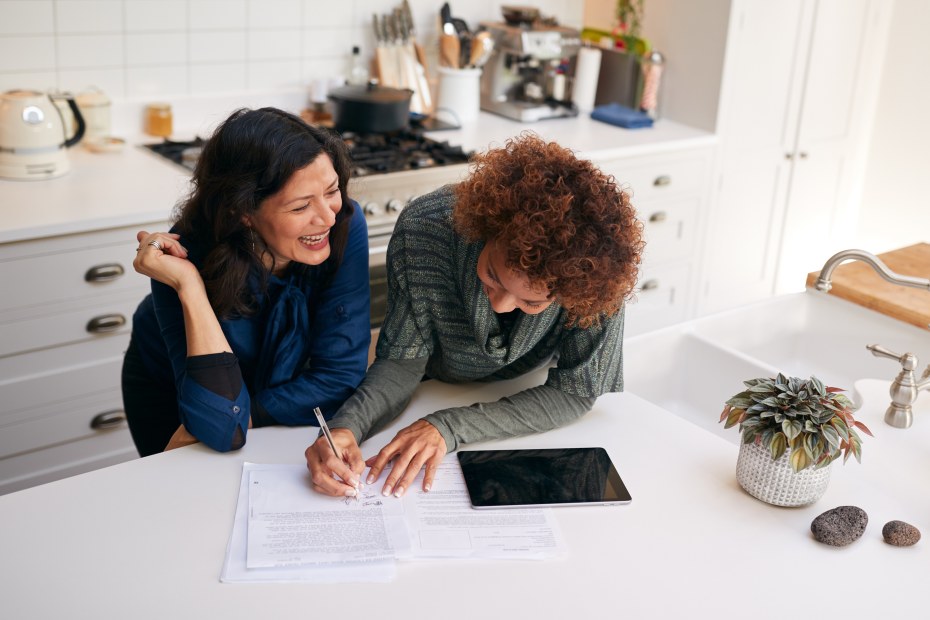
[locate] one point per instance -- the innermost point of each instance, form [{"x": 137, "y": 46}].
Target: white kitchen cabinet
[
  {"x": 669, "y": 191},
  {"x": 65, "y": 319},
  {"x": 799, "y": 85}
]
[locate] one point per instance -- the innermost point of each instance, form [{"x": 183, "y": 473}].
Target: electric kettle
[{"x": 33, "y": 142}]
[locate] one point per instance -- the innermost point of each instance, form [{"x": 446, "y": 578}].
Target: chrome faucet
[
  {"x": 826, "y": 274},
  {"x": 904, "y": 388}
]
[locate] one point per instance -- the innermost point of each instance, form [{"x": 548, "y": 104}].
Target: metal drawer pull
[
  {"x": 649, "y": 285},
  {"x": 108, "y": 419},
  {"x": 658, "y": 216},
  {"x": 662, "y": 180},
  {"x": 104, "y": 273},
  {"x": 105, "y": 323}
]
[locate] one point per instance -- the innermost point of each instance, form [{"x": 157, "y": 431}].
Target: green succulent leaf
[
  {"x": 840, "y": 425},
  {"x": 791, "y": 428},
  {"x": 799, "y": 460},
  {"x": 778, "y": 446},
  {"x": 812, "y": 446},
  {"x": 831, "y": 436}
]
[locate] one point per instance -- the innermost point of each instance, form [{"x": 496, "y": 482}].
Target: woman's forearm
[
  {"x": 201, "y": 327},
  {"x": 381, "y": 397},
  {"x": 531, "y": 411}
]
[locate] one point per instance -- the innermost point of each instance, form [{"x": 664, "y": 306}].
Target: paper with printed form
[
  {"x": 284, "y": 531},
  {"x": 291, "y": 525},
  {"x": 234, "y": 565},
  {"x": 442, "y": 523}
]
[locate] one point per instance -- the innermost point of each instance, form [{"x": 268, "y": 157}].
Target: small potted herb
[{"x": 792, "y": 430}]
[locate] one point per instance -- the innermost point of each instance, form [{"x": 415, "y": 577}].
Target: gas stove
[{"x": 388, "y": 170}]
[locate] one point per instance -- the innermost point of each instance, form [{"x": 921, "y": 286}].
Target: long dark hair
[{"x": 251, "y": 156}]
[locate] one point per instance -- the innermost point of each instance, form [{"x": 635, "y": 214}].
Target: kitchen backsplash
[{"x": 146, "y": 49}]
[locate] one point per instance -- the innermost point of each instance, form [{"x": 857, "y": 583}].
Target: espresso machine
[{"x": 529, "y": 74}]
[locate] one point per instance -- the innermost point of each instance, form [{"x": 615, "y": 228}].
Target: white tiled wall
[{"x": 137, "y": 49}]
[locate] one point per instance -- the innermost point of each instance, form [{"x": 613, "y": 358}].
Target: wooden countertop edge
[{"x": 859, "y": 283}]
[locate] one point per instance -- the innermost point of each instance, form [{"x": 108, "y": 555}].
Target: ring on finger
[{"x": 155, "y": 243}]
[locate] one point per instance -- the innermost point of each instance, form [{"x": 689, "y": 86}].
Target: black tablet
[{"x": 544, "y": 477}]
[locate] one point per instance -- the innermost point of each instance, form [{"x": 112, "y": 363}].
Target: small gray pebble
[
  {"x": 900, "y": 534},
  {"x": 840, "y": 526}
]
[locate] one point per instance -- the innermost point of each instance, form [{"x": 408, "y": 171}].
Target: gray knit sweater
[{"x": 440, "y": 324}]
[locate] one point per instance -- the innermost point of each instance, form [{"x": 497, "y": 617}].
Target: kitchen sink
[
  {"x": 691, "y": 368},
  {"x": 687, "y": 376}
]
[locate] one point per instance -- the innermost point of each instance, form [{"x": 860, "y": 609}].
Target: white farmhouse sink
[{"x": 692, "y": 368}]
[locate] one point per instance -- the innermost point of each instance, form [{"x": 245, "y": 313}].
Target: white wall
[
  {"x": 895, "y": 209},
  {"x": 138, "y": 49}
]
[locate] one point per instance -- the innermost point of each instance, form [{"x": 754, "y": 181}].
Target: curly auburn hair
[{"x": 561, "y": 220}]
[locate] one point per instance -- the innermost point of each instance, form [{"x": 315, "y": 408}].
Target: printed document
[
  {"x": 290, "y": 524},
  {"x": 442, "y": 523},
  {"x": 285, "y": 531},
  {"x": 234, "y": 565}
]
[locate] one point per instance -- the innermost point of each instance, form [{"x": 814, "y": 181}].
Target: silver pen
[{"x": 329, "y": 437}]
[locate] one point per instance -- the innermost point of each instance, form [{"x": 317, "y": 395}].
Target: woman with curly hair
[{"x": 530, "y": 258}]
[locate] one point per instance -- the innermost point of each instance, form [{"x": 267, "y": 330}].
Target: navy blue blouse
[{"x": 304, "y": 348}]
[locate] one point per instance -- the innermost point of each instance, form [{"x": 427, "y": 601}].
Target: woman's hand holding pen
[
  {"x": 414, "y": 447},
  {"x": 325, "y": 466}
]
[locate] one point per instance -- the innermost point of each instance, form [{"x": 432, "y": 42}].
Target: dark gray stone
[
  {"x": 900, "y": 534},
  {"x": 840, "y": 526}
]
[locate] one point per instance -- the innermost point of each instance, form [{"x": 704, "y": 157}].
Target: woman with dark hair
[
  {"x": 528, "y": 259},
  {"x": 259, "y": 309}
]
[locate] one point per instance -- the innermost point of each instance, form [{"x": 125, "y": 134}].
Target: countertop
[
  {"x": 134, "y": 186},
  {"x": 857, "y": 282},
  {"x": 146, "y": 538}
]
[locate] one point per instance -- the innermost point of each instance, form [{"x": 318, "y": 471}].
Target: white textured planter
[{"x": 774, "y": 482}]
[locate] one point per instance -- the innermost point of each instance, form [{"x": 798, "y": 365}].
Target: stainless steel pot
[{"x": 370, "y": 108}]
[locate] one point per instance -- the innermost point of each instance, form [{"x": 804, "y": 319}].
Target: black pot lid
[{"x": 371, "y": 93}]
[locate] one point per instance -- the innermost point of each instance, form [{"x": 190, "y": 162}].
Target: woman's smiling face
[
  {"x": 506, "y": 288},
  {"x": 295, "y": 222}
]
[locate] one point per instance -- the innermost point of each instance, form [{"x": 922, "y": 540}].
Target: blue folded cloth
[{"x": 622, "y": 116}]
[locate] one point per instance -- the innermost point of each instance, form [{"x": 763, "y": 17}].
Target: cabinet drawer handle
[
  {"x": 658, "y": 216},
  {"x": 105, "y": 323},
  {"x": 662, "y": 180},
  {"x": 104, "y": 273},
  {"x": 108, "y": 419},
  {"x": 649, "y": 285}
]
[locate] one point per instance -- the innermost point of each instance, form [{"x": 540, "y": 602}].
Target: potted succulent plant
[{"x": 792, "y": 430}]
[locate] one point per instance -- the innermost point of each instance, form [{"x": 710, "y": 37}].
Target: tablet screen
[{"x": 544, "y": 477}]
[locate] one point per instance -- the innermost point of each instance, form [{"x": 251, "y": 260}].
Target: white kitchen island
[{"x": 146, "y": 538}]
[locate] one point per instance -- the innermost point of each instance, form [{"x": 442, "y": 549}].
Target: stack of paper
[{"x": 284, "y": 531}]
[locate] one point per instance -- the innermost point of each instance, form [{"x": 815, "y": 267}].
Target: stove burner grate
[{"x": 370, "y": 153}]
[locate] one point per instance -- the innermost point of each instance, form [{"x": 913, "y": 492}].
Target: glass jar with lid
[{"x": 158, "y": 120}]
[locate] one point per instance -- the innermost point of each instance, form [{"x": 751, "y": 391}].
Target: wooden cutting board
[{"x": 859, "y": 283}]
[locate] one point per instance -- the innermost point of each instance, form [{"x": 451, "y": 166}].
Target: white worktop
[
  {"x": 134, "y": 186},
  {"x": 146, "y": 539}
]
